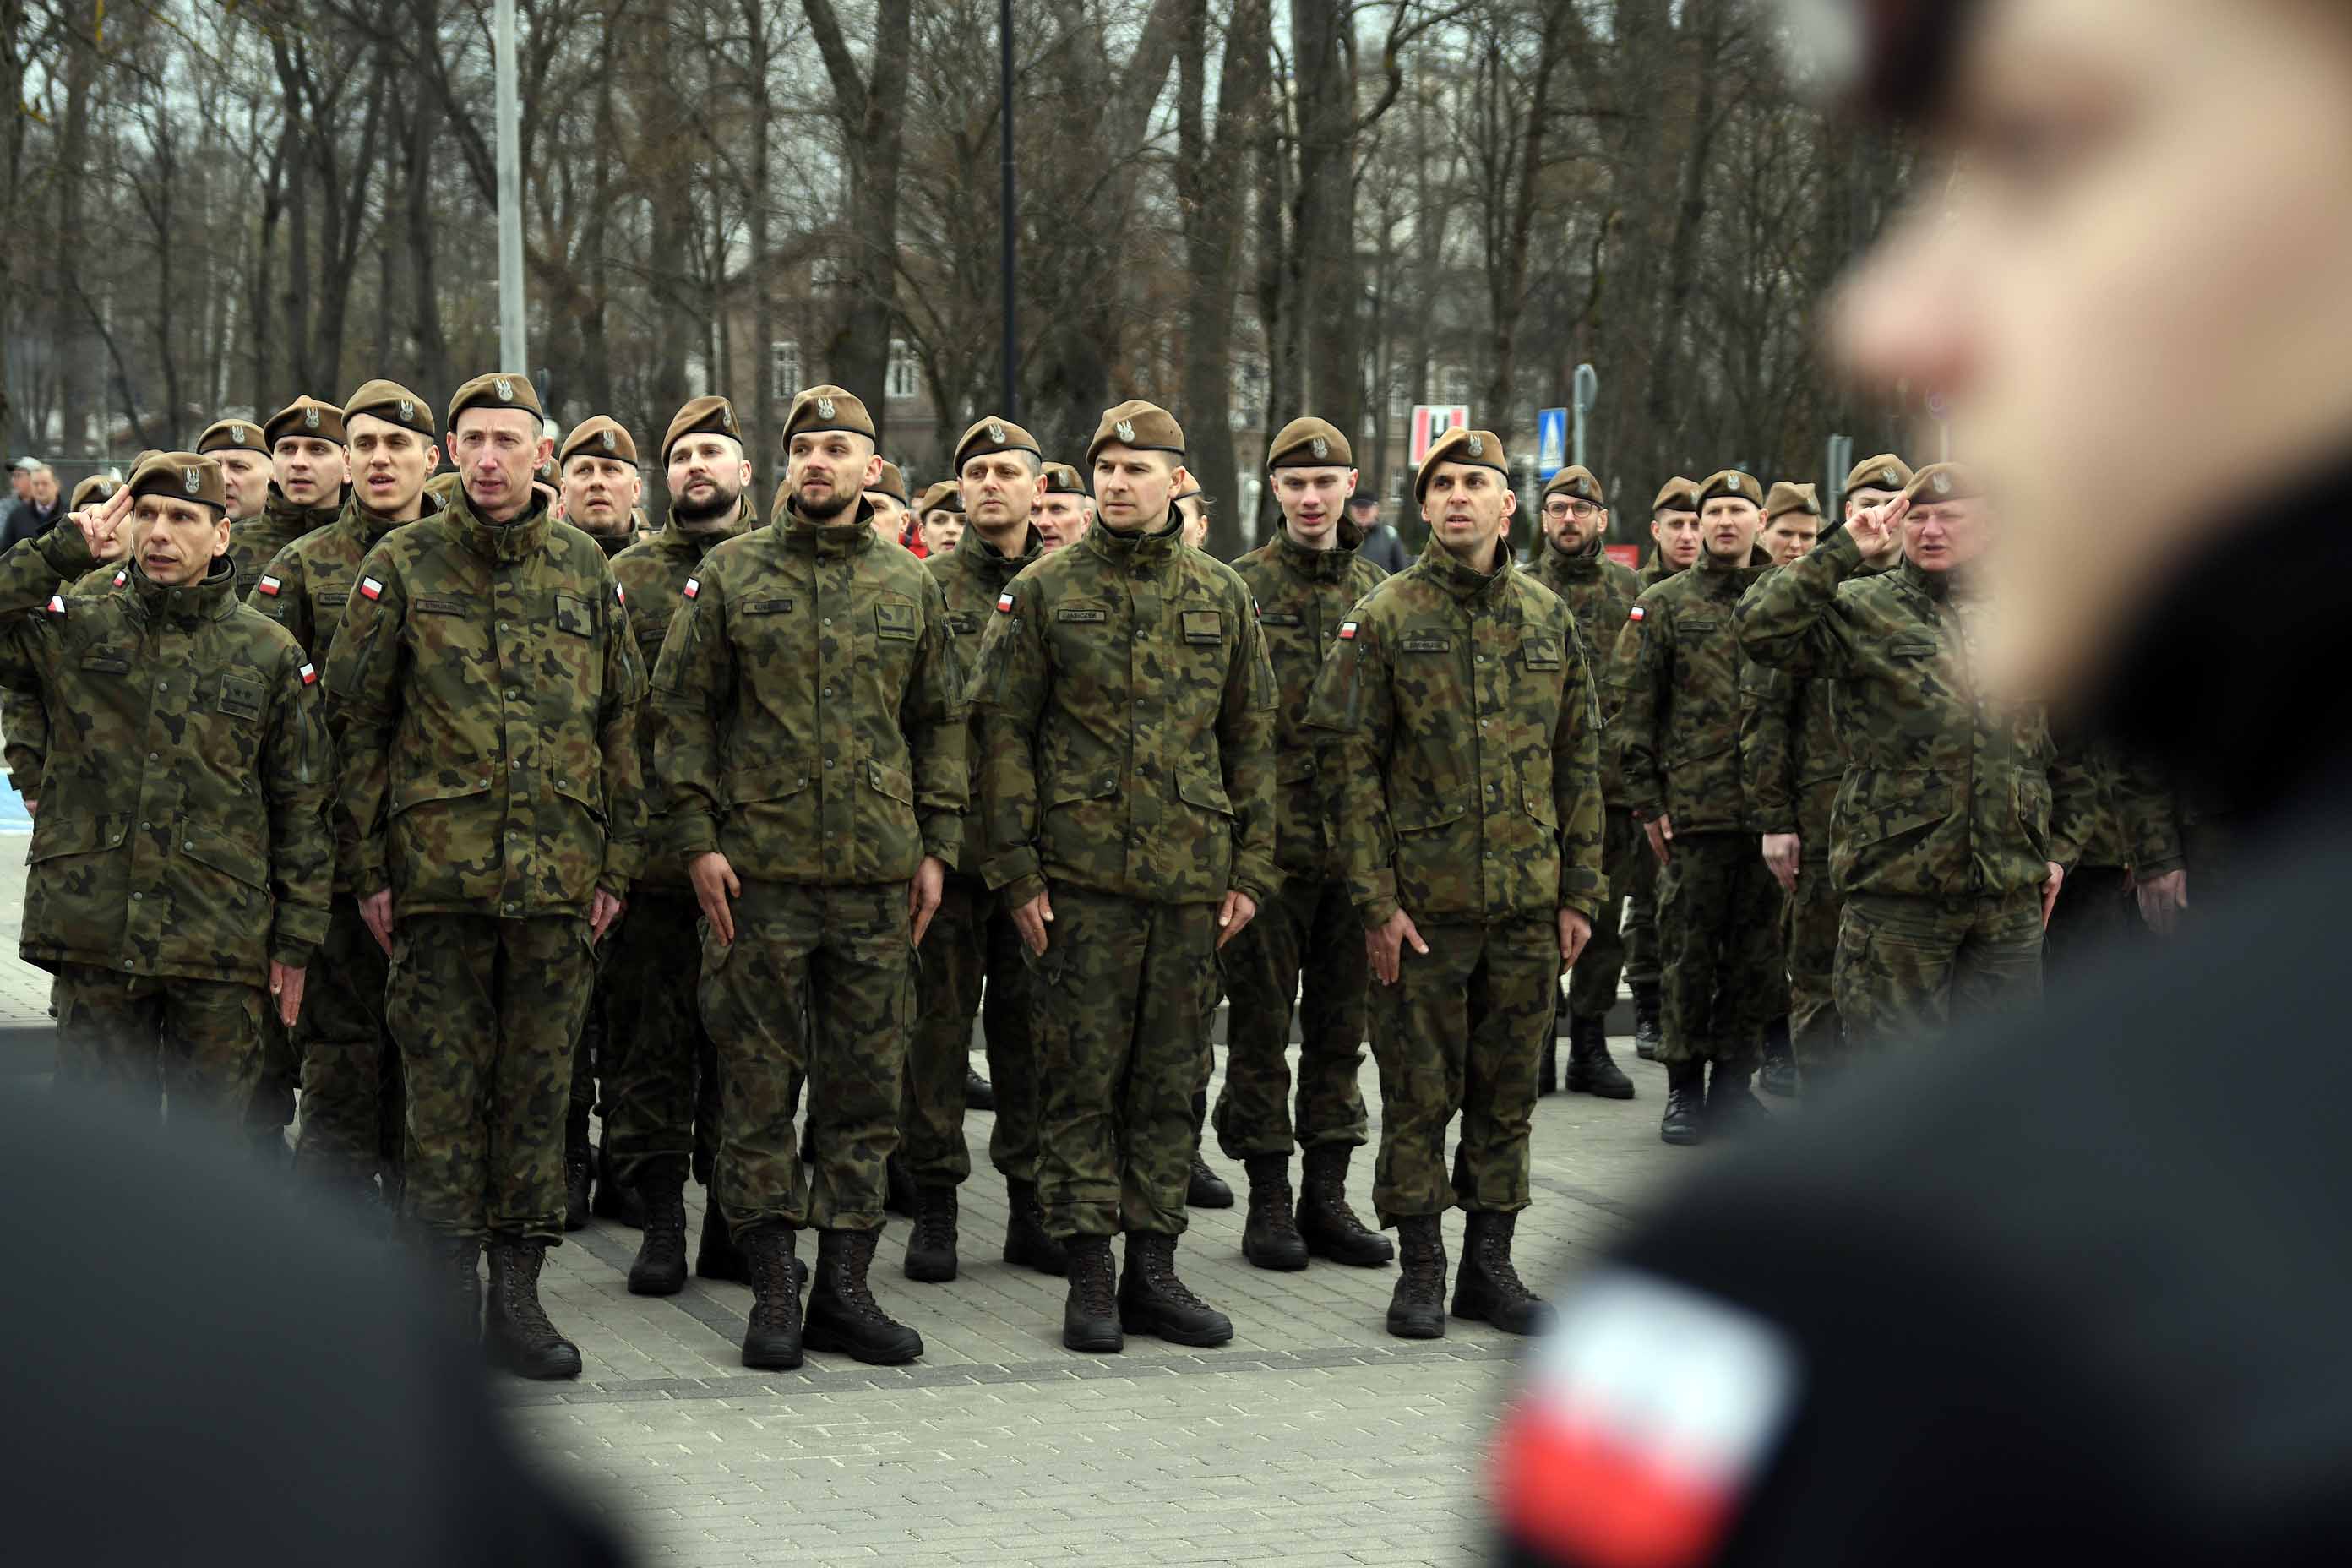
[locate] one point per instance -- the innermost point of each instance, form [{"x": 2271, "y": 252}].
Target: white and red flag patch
[
  {"x": 1347, "y": 631},
  {"x": 370, "y": 589},
  {"x": 621, "y": 594},
  {"x": 310, "y": 676},
  {"x": 1634, "y": 614},
  {"x": 693, "y": 586},
  {"x": 1005, "y": 603},
  {"x": 1649, "y": 1412},
  {"x": 269, "y": 585},
  {"x": 121, "y": 578},
  {"x": 57, "y": 604}
]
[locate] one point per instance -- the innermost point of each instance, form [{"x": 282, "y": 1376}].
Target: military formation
[{"x": 389, "y": 768}]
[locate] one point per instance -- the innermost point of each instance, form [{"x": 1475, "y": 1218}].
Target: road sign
[
  {"x": 1431, "y": 420},
  {"x": 1551, "y": 441}
]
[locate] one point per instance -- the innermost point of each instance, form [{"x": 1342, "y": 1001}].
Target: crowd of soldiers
[{"x": 468, "y": 805}]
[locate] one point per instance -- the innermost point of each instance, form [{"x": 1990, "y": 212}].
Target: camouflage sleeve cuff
[
  {"x": 943, "y": 837},
  {"x": 368, "y": 881},
  {"x": 66, "y": 549},
  {"x": 1020, "y": 891},
  {"x": 1773, "y": 822},
  {"x": 1019, "y": 864},
  {"x": 2162, "y": 866},
  {"x": 1841, "y": 548},
  {"x": 624, "y": 864},
  {"x": 295, "y": 934},
  {"x": 1377, "y": 913},
  {"x": 29, "y": 788},
  {"x": 692, "y": 834},
  {"x": 1647, "y": 811}
]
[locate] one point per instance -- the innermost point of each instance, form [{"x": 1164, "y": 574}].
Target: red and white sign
[
  {"x": 1431, "y": 420},
  {"x": 1629, "y": 556}
]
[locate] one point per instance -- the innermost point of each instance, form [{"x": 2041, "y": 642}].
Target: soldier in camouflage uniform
[
  {"x": 484, "y": 692},
  {"x": 1791, "y": 762},
  {"x": 1955, "y": 819},
  {"x": 23, "y": 716},
  {"x": 972, "y": 958},
  {"x": 1677, "y": 731},
  {"x": 1305, "y": 581},
  {"x": 1126, "y": 717},
  {"x": 1674, "y": 528},
  {"x": 246, "y": 469},
  {"x": 353, "y": 1109},
  {"x": 1464, "y": 792},
  {"x": 888, "y": 513},
  {"x": 809, "y": 741},
  {"x": 1065, "y": 507},
  {"x": 179, "y": 877},
  {"x": 1598, "y": 592},
  {"x": 660, "y": 1065}
]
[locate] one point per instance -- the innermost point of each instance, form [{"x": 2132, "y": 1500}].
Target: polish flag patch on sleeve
[
  {"x": 1634, "y": 614},
  {"x": 1648, "y": 1415},
  {"x": 621, "y": 595},
  {"x": 121, "y": 578},
  {"x": 370, "y": 589},
  {"x": 1005, "y": 603},
  {"x": 693, "y": 586},
  {"x": 310, "y": 676},
  {"x": 1347, "y": 631},
  {"x": 57, "y": 604},
  {"x": 270, "y": 585}
]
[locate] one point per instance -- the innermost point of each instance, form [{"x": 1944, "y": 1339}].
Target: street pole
[
  {"x": 1586, "y": 398},
  {"x": 1006, "y": 216},
  {"x": 512, "y": 351}
]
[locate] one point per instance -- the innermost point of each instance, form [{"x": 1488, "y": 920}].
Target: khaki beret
[
  {"x": 944, "y": 495},
  {"x": 232, "y": 436},
  {"x": 600, "y": 436},
  {"x": 394, "y": 404},
  {"x": 189, "y": 476},
  {"x": 705, "y": 416},
  {"x": 304, "y": 417},
  {"x": 995, "y": 435},
  {"x": 1677, "y": 494},
  {"x": 499, "y": 389},
  {"x": 1145, "y": 427},
  {"x": 828, "y": 408},
  {"x": 1732, "y": 484},
  {"x": 1786, "y": 497},
  {"x": 1061, "y": 479},
  {"x": 1309, "y": 443},
  {"x": 1478, "y": 448},
  {"x": 892, "y": 484},
  {"x": 1941, "y": 482},
  {"x": 93, "y": 490},
  {"x": 1576, "y": 480},
  {"x": 1884, "y": 472}
]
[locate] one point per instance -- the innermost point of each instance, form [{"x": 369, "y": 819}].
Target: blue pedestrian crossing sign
[{"x": 1551, "y": 441}]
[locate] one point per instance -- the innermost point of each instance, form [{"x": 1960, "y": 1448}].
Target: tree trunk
[
  {"x": 1323, "y": 78},
  {"x": 76, "y": 364}
]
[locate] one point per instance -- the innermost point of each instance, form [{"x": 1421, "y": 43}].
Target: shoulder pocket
[
  {"x": 242, "y": 696},
  {"x": 1540, "y": 650},
  {"x": 1203, "y": 626},
  {"x": 577, "y": 616},
  {"x": 897, "y": 621}
]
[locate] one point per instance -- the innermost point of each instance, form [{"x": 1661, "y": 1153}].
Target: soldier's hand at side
[
  {"x": 923, "y": 894},
  {"x": 31, "y": 808},
  {"x": 1661, "y": 829},
  {"x": 1239, "y": 910},
  {"x": 1575, "y": 931},
  {"x": 375, "y": 913},
  {"x": 714, "y": 884},
  {"x": 1873, "y": 526},
  {"x": 1781, "y": 853},
  {"x": 1385, "y": 946},
  {"x": 2161, "y": 899},
  {"x": 2050, "y": 891},
  {"x": 603, "y": 909},
  {"x": 286, "y": 984},
  {"x": 1031, "y": 920}
]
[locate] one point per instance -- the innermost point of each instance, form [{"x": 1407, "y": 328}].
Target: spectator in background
[
  {"x": 30, "y": 516},
  {"x": 1381, "y": 545},
  {"x": 20, "y": 477}
]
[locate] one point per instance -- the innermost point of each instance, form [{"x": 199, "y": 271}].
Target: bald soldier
[
  {"x": 353, "y": 1109},
  {"x": 1126, "y": 716},
  {"x": 1065, "y": 507}
]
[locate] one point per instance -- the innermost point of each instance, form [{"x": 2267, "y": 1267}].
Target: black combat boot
[
  {"x": 1090, "y": 1314},
  {"x": 773, "y": 1340},
  {"x": 843, "y": 1315},
  {"x": 1270, "y": 1237},
  {"x": 1026, "y": 1242},
  {"x": 1590, "y": 1068},
  {"x": 931, "y": 1245},
  {"x": 579, "y": 1168},
  {"x": 1487, "y": 1290},
  {"x": 1646, "y": 1021},
  {"x": 515, "y": 1326},
  {"x": 1779, "y": 1074},
  {"x": 899, "y": 1187},
  {"x": 615, "y": 1199},
  {"x": 1152, "y": 1301},
  {"x": 1732, "y": 1107},
  {"x": 660, "y": 1267},
  {"x": 1685, "y": 1118},
  {"x": 1326, "y": 1223},
  {"x": 1204, "y": 1189},
  {"x": 717, "y": 1256},
  {"x": 978, "y": 1093},
  {"x": 1417, "y": 1305}
]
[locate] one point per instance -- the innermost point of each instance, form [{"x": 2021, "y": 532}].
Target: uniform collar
[
  {"x": 1315, "y": 565},
  {"x": 304, "y": 518},
  {"x": 207, "y": 600},
  {"x": 854, "y": 537},
  {"x": 503, "y": 544},
  {"x": 1720, "y": 576},
  {"x": 1450, "y": 571},
  {"x": 696, "y": 542},
  {"x": 1144, "y": 548},
  {"x": 978, "y": 554},
  {"x": 1569, "y": 566},
  {"x": 372, "y": 528}
]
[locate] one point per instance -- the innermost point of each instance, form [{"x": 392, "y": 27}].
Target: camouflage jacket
[
  {"x": 1597, "y": 593},
  {"x": 1677, "y": 729},
  {"x": 186, "y": 836},
  {"x": 1465, "y": 780},
  {"x": 254, "y": 542},
  {"x": 1125, "y": 715},
  {"x": 1302, "y": 596},
  {"x": 1657, "y": 572},
  {"x": 2155, "y": 818},
  {"x": 1945, "y": 795},
  {"x": 652, "y": 574},
  {"x": 23, "y": 712},
  {"x": 809, "y": 709},
  {"x": 1790, "y": 759},
  {"x": 484, "y": 693},
  {"x": 971, "y": 575}
]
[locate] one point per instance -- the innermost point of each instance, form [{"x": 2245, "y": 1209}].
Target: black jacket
[{"x": 24, "y": 521}]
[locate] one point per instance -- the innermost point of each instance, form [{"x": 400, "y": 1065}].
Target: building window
[
  {"x": 784, "y": 369},
  {"x": 824, "y": 275},
  {"x": 905, "y": 376},
  {"x": 1400, "y": 391}
]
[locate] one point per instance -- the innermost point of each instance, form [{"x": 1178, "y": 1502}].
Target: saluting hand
[
  {"x": 714, "y": 885},
  {"x": 1873, "y": 527},
  {"x": 97, "y": 524}
]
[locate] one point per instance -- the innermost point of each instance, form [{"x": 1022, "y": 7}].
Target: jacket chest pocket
[
  {"x": 106, "y": 661},
  {"x": 1542, "y": 653},
  {"x": 1088, "y": 643},
  {"x": 771, "y": 625},
  {"x": 897, "y": 620},
  {"x": 242, "y": 696}
]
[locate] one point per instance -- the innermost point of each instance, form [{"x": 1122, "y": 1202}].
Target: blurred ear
[{"x": 220, "y": 535}]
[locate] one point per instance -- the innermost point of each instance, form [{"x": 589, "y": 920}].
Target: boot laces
[
  {"x": 775, "y": 1302},
  {"x": 520, "y": 1295},
  {"x": 1495, "y": 1259},
  {"x": 935, "y": 1227},
  {"x": 1160, "y": 1273},
  {"x": 1091, "y": 1280},
  {"x": 849, "y": 1278}
]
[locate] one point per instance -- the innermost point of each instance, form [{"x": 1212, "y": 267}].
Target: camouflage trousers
[
  {"x": 818, "y": 982},
  {"x": 1809, "y": 934},
  {"x": 1720, "y": 951},
  {"x": 658, "y": 1064},
  {"x": 484, "y": 1012},
  {"x": 1910, "y": 968},
  {"x": 969, "y": 964},
  {"x": 1592, "y": 984},
  {"x": 146, "y": 1040},
  {"x": 1310, "y": 927},
  {"x": 2093, "y": 916},
  {"x": 1641, "y": 892},
  {"x": 1116, "y": 1005},
  {"x": 1459, "y": 1035},
  {"x": 352, "y": 1106},
  {"x": 270, "y": 1104}
]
